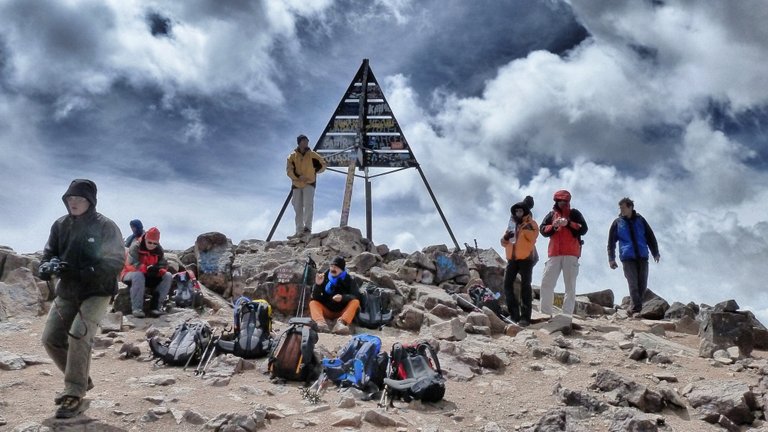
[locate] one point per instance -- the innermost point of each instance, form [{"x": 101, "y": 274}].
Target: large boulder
[
  {"x": 450, "y": 266},
  {"x": 732, "y": 399},
  {"x": 489, "y": 266},
  {"x": 20, "y": 295},
  {"x": 10, "y": 261},
  {"x": 214, "y": 255},
  {"x": 345, "y": 241},
  {"x": 722, "y": 330},
  {"x": 679, "y": 310},
  {"x": 603, "y": 298}
]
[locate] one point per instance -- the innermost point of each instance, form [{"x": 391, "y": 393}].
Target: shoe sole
[{"x": 68, "y": 414}]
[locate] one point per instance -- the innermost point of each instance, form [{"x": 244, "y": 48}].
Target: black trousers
[
  {"x": 519, "y": 310},
  {"x": 636, "y": 272}
]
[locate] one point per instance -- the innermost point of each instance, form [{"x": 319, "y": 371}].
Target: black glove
[
  {"x": 66, "y": 271},
  {"x": 44, "y": 272},
  {"x": 508, "y": 235},
  {"x": 152, "y": 270}
]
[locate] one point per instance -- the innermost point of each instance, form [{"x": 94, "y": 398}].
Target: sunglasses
[{"x": 152, "y": 243}]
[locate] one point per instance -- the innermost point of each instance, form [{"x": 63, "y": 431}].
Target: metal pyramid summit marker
[{"x": 363, "y": 133}]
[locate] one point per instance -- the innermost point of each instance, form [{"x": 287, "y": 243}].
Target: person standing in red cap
[
  {"x": 146, "y": 266},
  {"x": 564, "y": 226}
]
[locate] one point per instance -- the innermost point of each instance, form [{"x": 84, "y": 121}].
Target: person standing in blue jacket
[{"x": 635, "y": 238}]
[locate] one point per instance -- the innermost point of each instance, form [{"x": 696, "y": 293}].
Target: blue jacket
[{"x": 635, "y": 237}]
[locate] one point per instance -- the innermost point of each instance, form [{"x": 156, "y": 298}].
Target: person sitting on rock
[
  {"x": 334, "y": 296},
  {"x": 146, "y": 266},
  {"x": 137, "y": 230}
]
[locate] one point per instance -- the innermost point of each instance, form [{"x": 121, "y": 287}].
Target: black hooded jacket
[{"x": 91, "y": 245}]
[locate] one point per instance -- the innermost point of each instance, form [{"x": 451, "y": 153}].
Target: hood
[
  {"x": 136, "y": 226},
  {"x": 81, "y": 187}
]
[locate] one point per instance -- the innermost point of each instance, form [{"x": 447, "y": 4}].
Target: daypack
[
  {"x": 484, "y": 297},
  {"x": 359, "y": 364},
  {"x": 415, "y": 373},
  {"x": 372, "y": 313},
  {"x": 187, "y": 290},
  {"x": 252, "y": 328},
  {"x": 293, "y": 355},
  {"x": 185, "y": 346}
]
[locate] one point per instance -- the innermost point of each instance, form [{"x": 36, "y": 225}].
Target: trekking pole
[
  {"x": 207, "y": 363},
  {"x": 305, "y": 276},
  {"x": 205, "y": 351},
  {"x": 462, "y": 300}
]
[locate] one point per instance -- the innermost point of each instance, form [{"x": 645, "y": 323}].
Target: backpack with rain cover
[
  {"x": 360, "y": 364},
  {"x": 415, "y": 373},
  {"x": 293, "y": 355},
  {"x": 252, "y": 324},
  {"x": 185, "y": 346},
  {"x": 372, "y": 313},
  {"x": 187, "y": 293},
  {"x": 483, "y": 297}
]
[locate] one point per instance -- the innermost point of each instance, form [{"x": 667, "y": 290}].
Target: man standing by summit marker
[
  {"x": 303, "y": 166},
  {"x": 635, "y": 237}
]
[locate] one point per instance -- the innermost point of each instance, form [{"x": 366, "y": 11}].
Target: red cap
[
  {"x": 562, "y": 195},
  {"x": 153, "y": 235}
]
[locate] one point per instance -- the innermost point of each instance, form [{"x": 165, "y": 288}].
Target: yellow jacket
[
  {"x": 525, "y": 240},
  {"x": 303, "y": 168}
]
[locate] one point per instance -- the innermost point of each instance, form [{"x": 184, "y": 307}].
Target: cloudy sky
[{"x": 183, "y": 113}]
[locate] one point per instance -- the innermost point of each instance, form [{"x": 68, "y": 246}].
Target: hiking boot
[
  {"x": 322, "y": 327},
  {"x": 341, "y": 328},
  {"x": 157, "y": 312},
  {"x": 70, "y": 407},
  {"x": 295, "y": 236},
  {"x": 524, "y": 323},
  {"x": 60, "y": 396},
  {"x": 137, "y": 313}
]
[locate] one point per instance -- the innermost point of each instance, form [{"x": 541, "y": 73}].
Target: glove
[
  {"x": 153, "y": 270},
  {"x": 67, "y": 271},
  {"x": 44, "y": 272}
]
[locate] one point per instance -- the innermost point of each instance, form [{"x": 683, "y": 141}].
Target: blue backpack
[{"x": 359, "y": 364}]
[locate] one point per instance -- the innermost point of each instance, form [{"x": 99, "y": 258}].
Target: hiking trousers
[
  {"x": 303, "y": 201},
  {"x": 319, "y": 312},
  {"x": 519, "y": 309},
  {"x": 68, "y": 339},
  {"x": 569, "y": 266},
  {"x": 138, "y": 287},
  {"x": 636, "y": 272}
]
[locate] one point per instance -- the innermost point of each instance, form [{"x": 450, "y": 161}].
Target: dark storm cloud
[{"x": 159, "y": 26}]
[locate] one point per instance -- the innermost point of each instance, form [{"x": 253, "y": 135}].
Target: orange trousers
[{"x": 319, "y": 312}]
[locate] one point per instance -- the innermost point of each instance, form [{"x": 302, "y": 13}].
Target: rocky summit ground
[{"x": 534, "y": 380}]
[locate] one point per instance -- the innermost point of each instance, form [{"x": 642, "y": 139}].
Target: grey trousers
[
  {"x": 636, "y": 272},
  {"x": 303, "y": 201},
  {"x": 138, "y": 286},
  {"x": 68, "y": 339},
  {"x": 569, "y": 265}
]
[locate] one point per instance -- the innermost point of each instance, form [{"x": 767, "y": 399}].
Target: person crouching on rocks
[{"x": 334, "y": 296}]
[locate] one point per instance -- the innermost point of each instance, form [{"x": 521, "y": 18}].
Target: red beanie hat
[
  {"x": 153, "y": 235},
  {"x": 562, "y": 195}
]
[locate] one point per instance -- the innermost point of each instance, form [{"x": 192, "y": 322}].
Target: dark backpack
[
  {"x": 185, "y": 346},
  {"x": 484, "y": 296},
  {"x": 252, "y": 328},
  {"x": 359, "y": 364},
  {"x": 415, "y": 373},
  {"x": 372, "y": 313},
  {"x": 187, "y": 292},
  {"x": 293, "y": 355}
]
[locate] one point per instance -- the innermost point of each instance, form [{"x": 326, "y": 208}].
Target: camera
[{"x": 52, "y": 267}]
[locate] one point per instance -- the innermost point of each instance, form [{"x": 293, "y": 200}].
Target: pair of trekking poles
[{"x": 208, "y": 353}]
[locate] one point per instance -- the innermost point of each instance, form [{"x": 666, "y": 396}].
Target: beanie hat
[
  {"x": 137, "y": 225},
  {"x": 301, "y": 137},
  {"x": 526, "y": 204},
  {"x": 339, "y": 262},
  {"x": 153, "y": 234},
  {"x": 562, "y": 195}
]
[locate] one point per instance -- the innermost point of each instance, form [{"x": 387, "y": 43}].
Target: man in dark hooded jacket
[{"x": 85, "y": 250}]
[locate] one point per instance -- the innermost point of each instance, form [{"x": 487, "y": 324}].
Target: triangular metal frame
[{"x": 363, "y": 133}]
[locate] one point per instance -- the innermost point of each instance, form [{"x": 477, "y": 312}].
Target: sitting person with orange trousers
[{"x": 334, "y": 296}]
